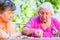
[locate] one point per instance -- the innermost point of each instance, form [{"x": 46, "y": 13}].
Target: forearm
[
  {"x": 1, "y": 36},
  {"x": 27, "y": 31}
]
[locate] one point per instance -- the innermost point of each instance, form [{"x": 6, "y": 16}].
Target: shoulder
[
  {"x": 55, "y": 20},
  {"x": 34, "y": 18}
]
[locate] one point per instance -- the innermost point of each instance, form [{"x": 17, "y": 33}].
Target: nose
[
  {"x": 44, "y": 16},
  {"x": 10, "y": 15}
]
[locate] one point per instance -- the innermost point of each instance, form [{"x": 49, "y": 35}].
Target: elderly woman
[
  {"x": 7, "y": 30},
  {"x": 43, "y": 25}
]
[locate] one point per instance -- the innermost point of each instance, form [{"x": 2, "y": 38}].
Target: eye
[
  {"x": 42, "y": 13},
  {"x": 47, "y": 13}
]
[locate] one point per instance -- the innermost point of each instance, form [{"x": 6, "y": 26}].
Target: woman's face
[
  {"x": 6, "y": 15},
  {"x": 44, "y": 14}
]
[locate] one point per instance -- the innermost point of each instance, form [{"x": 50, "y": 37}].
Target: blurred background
[{"x": 25, "y": 9}]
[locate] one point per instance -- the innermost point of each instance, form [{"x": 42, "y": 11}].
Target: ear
[
  {"x": 38, "y": 12},
  {"x": 51, "y": 13}
]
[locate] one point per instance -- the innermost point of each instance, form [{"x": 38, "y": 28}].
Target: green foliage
[{"x": 20, "y": 27}]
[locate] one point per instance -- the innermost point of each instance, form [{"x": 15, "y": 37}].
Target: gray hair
[{"x": 46, "y": 5}]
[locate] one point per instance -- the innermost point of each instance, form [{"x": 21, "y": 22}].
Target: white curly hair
[{"x": 46, "y": 5}]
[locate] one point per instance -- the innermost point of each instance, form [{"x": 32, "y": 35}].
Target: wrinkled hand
[{"x": 39, "y": 32}]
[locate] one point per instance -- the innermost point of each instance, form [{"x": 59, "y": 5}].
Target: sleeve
[
  {"x": 30, "y": 23},
  {"x": 57, "y": 25}
]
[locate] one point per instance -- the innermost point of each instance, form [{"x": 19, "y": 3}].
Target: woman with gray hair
[{"x": 43, "y": 25}]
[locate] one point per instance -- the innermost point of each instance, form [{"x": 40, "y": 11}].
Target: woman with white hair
[{"x": 43, "y": 25}]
